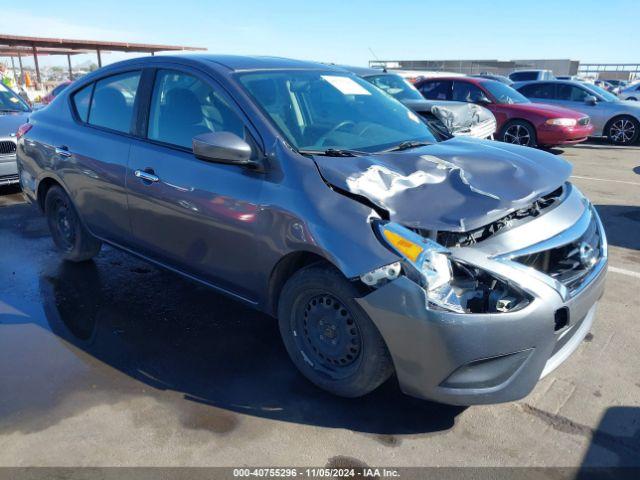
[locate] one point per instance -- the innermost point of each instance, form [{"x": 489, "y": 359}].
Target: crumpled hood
[{"x": 457, "y": 185}]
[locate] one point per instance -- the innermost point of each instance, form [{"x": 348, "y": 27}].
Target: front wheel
[
  {"x": 328, "y": 336},
  {"x": 519, "y": 132},
  {"x": 69, "y": 235},
  {"x": 623, "y": 130}
]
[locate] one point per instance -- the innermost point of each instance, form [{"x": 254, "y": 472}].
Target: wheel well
[
  {"x": 617, "y": 117},
  {"x": 514, "y": 120},
  {"x": 43, "y": 187},
  {"x": 285, "y": 268}
]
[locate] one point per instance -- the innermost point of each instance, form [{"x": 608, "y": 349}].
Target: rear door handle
[
  {"x": 146, "y": 176},
  {"x": 63, "y": 151}
]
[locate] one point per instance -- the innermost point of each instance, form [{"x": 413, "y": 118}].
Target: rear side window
[
  {"x": 112, "y": 102},
  {"x": 183, "y": 106},
  {"x": 466, "y": 92},
  {"x": 81, "y": 100},
  {"x": 436, "y": 90},
  {"x": 523, "y": 76},
  {"x": 538, "y": 90}
]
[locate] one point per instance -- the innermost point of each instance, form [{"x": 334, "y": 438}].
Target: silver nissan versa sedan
[{"x": 468, "y": 268}]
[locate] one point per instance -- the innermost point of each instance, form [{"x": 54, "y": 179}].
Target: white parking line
[
  {"x": 606, "y": 180},
  {"x": 623, "y": 271}
]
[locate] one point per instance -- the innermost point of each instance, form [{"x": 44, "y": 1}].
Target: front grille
[
  {"x": 584, "y": 121},
  {"x": 569, "y": 264},
  {"x": 7, "y": 147}
]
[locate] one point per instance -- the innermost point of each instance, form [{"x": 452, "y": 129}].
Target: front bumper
[
  {"x": 467, "y": 359},
  {"x": 8, "y": 169},
  {"x": 557, "y": 135}
]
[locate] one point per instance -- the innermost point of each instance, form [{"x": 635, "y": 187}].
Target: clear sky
[{"x": 343, "y": 31}]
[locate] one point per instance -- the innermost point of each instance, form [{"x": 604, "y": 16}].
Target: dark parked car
[
  {"x": 519, "y": 120},
  {"x": 467, "y": 267},
  {"x": 14, "y": 111},
  {"x": 618, "y": 120}
]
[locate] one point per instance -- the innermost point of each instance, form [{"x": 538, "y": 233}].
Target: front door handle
[
  {"x": 147, "y": 176},
  {"x": 63, "y": 151}
]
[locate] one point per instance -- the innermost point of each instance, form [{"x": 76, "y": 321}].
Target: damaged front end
[
  {"x": 449, "y": 284},
  {"x": 480, "y": 316}
]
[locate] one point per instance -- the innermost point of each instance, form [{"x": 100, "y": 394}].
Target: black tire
[
  {"x": 328, "y": 336},
  {"x": 623, "y": 130},
  {"x": 519, "y": 132},
  {"x": 69, "y": 235}
]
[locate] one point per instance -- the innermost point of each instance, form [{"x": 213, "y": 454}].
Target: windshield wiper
[
  {"x": 406, "y": 146},
  {"x": 333, "y": 152}
]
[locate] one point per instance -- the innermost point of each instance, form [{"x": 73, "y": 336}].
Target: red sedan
[{"x": 519, "y": 120}]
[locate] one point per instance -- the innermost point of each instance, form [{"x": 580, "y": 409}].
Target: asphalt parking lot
[{"x": 116, "y": 362}]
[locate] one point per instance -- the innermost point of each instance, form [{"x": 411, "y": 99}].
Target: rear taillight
[{"x": 23, "y": 129}]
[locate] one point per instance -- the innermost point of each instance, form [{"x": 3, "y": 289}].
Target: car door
[
  {"x": 193, "y": 215},
  {"x": 94, "y": 153}
]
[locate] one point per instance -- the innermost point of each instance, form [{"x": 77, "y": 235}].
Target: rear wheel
[
  {"x": 623, "y": 130},
  {"x": 328, "y": 336},
  {"x": 519, "y": 132},
  {"x": 69, "y": 235}
]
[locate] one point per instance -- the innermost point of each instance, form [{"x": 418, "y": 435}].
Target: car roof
[
  {"x": 364, "y": 71},
  {"x": 231, "y": 62},
  {"x": 474, "y": 80},
  {"x": 554, "y": 80}
]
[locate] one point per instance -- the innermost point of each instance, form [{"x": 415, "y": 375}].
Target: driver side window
[
  {"x": 182, "y": 106},
  {"x": 571, "y": 93}
]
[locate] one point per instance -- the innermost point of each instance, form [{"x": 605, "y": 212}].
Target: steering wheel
[{"x": 340, "y": 126}]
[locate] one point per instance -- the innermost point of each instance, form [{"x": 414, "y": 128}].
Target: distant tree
[{"x": 92, "y": 67}]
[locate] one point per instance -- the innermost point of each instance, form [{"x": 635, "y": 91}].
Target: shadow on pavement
[
  {"x": 615, "y": 442},
  {"x": 173, "y": 335},
  {"x": 621, "y": 224}
]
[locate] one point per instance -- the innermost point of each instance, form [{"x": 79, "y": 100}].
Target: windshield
[
  {"x": 396, "y": 86},
  {"x": 607, "y": 96},
  {"x": 317, "y": 111},
  {"x": 11, "y": 102},
  {"x": 503, "y": 93}
]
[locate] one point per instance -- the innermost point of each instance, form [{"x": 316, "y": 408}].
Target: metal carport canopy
[{"x": 96, "y": 45}]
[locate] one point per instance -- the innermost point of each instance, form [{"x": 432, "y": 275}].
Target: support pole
[
  {"x": 21, "y": 70},
  {"x": 99, "y": 59},
  {"x": 35, "y": 60},
  {"x": 13, "y": 68},
  {"x": 70, "y": 71}
]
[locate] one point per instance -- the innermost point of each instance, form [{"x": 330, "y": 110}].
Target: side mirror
[
  {"x": 590, "y": 100},
  {"x": 484, "y": 100},
  {"x": 222, "y": 147}
]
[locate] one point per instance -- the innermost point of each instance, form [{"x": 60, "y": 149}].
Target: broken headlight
[{"x": 449, "y": 284}]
